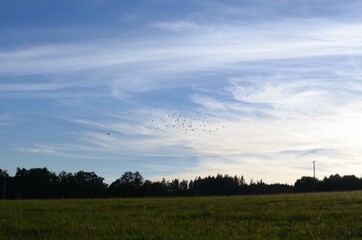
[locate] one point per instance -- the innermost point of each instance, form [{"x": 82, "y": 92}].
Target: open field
[{"x": 299, "y": 216}]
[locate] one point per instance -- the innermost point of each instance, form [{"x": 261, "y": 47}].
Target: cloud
[
  {"x": 220, "y": 47},
  {"x": 176, "y": 26},
  {"x": 34, "y": 86},
  {"x": 64, "y": 150}
]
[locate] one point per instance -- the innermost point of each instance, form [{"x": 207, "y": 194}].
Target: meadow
[{"x": 336, "y": 215}]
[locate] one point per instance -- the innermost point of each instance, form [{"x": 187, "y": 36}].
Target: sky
[{"x": 263, "y": 88}]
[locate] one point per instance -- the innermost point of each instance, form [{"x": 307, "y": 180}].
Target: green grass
[{"x": 299, "y": 216}]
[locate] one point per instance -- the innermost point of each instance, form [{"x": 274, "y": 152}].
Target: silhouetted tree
[
  {"x": 66, "y": 185},
  {"x": 351, "y": 182},
  {"x": 306, "y": 184},
  {"x": 4, "y": 178},
  {"x": 35, "y": 183},
  {"x": 88, "y": 184},
  {"x": 219, "y": 185},
  {"x": 129, "y": 184},
  {"x": 41, "y": 183},
  {"x": 338, "y": 183},
  {"x": 3, "y": 173},
  {"x": 183, "y": 188}
]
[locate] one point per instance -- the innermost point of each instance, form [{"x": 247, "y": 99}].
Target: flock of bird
[{"x": 184, "y": 124}]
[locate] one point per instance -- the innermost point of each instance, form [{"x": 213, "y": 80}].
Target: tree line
[{"x": 41, "y": 183}]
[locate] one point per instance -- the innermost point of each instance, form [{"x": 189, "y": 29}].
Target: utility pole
[{"x": 314, "y": 180}]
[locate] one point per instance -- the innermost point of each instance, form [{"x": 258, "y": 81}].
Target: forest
[{"x": 40, "y": 183}]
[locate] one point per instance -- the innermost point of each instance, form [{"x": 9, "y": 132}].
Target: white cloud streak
[
  {"x": 177, "y": 26},
  {"x": 34, "y": 86}
]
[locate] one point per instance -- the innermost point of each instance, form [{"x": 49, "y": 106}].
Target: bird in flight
[{"x": 184, "y": 123}]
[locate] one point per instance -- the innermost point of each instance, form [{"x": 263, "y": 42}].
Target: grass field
[{"x": 294, "y": 216}]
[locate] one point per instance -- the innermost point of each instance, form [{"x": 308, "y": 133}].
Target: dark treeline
[{"x": 41, "y": 183}]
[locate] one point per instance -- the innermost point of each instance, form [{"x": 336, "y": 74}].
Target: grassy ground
[{"x": 299, "y": 216}]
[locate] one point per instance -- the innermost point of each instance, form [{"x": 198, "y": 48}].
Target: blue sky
[{"x": 274, "y": 84}]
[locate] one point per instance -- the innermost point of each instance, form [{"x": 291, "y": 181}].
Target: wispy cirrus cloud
[
  {"x": 63, "y": 150},
  {"x": 215, "y": 48},
  {"x": 177, "y": 26},
  {"x": 35, "y": 86}
]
